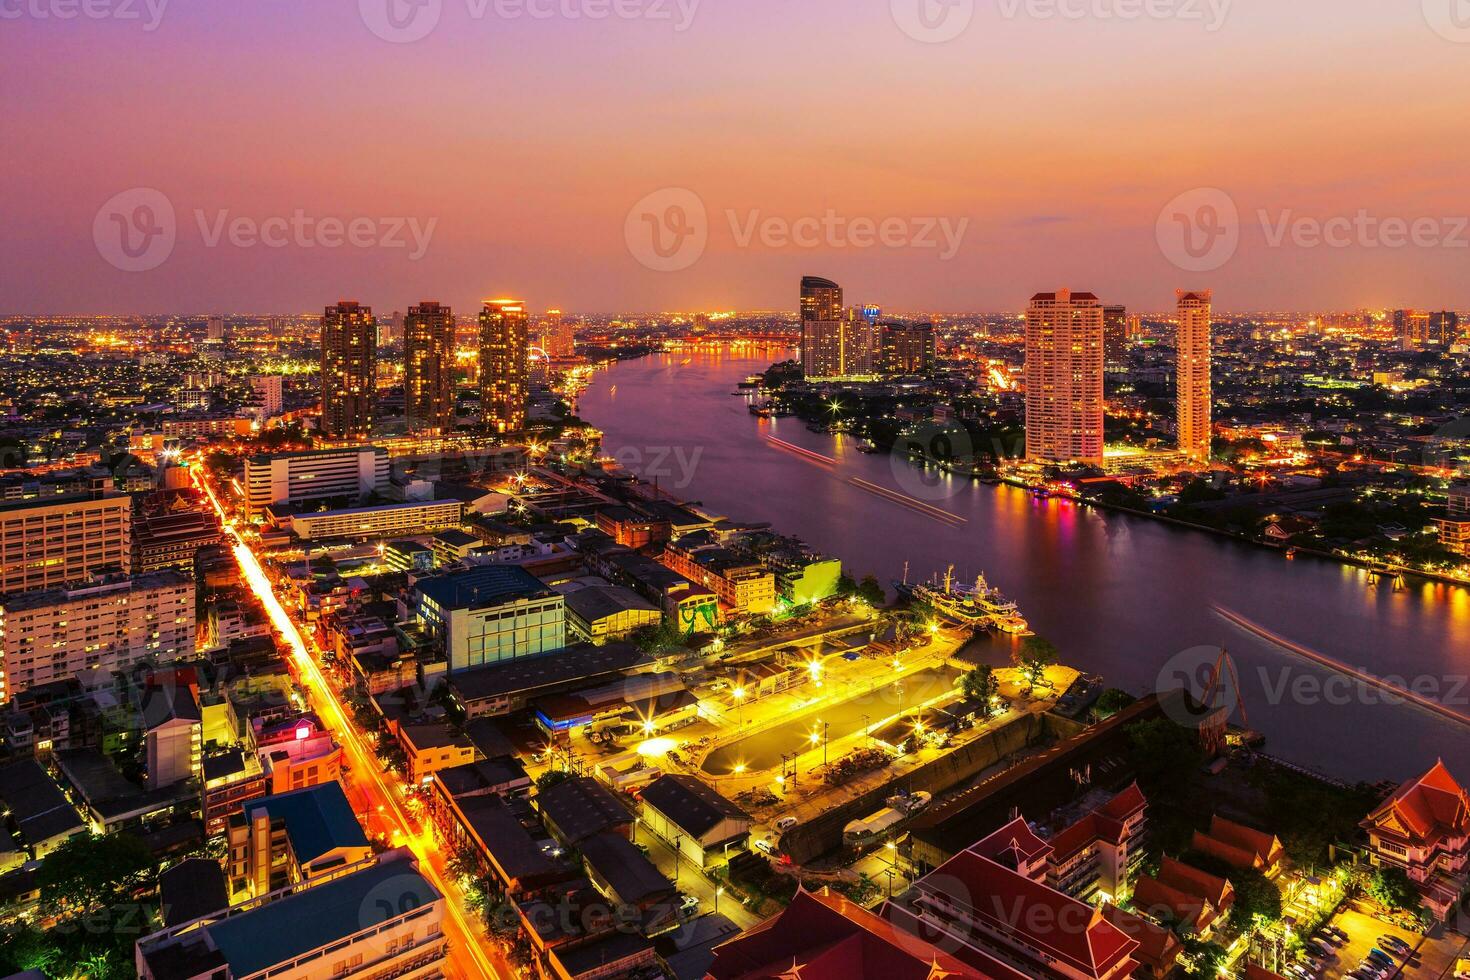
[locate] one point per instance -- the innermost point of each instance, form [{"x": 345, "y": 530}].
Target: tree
[
  {"x": 980, "y": 685},
  {"x": 1202, "y": 959},
  {"x": 871, "y": 591},
  {"x": 1032, "y": 657},
  {"x": 1162, "y": 752},
  {"x": 1391, "y": 888},
  {"x": 88, "y": 873},
  {"x": 1112, "y": 701},
  {"x": 550, "y": 778}
]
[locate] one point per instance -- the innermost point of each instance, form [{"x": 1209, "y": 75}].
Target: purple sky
[{"x": 1047, "y": 145}]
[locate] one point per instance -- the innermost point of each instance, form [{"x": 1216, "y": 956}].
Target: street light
[{"x": 718, "y": 892}]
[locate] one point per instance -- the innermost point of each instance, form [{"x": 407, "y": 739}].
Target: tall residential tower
[
  {"x": 1064, "y": 378},
  {"x": 823, "y": 327},
  {"x": 349, "y": 367},
  {"x": 428, "y": 368},
  {"x": 1192, "y": 374},
  {"x": 504, "y": 364}
]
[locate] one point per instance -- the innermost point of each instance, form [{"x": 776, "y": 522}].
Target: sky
[{"x": 193, "y": 156}]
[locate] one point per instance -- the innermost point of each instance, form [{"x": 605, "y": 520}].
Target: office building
[
  {"x": 1115, "y": 337},
  {"x": 1194, "y": 395},
  {"x": 504, "y": 365},
  {"x": 214, "y": 329},
  {"x": 1064, "y": 378},
  {"x": 380, "y": 918},
  {"x": 823, "y": 328},
  {"x": 428, "y": 368},
  {"x": 1412, "y": 328},
  {"x": 267, "y": 397},
  {"x": 383, "y": 521},
  {"x": 489, "y": 614},
  {"x": 313, "y": 475},
  {"x": 348, "y": 370},
  {"x": 907, "y": 348},
  {"x": 49, "y": 542},
  {"x": 1444, "y": 328},
  {"x": 111, "y": 623},
  {"x": 282, "y": 840}
]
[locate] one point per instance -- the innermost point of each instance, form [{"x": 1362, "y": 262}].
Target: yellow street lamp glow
[
  {"x": 739, "y": 768},
  {"x": 739, "y": 693}
]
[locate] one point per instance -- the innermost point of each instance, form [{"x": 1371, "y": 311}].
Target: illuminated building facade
[
  {"x": 349, "y": 365},
  {"x": 504, "y": 364},
  {"x": 48, "y": 543},
  {"x": 313, "y": 475},
  {"x": 823, "y": 328},
  {"x": 1064, "y": 378},
  {"x": 1192, "y": 375},
  {"x": 907, "y": 348},
  {"x": 428, "y": 368},
  {"x": 1115, "y": 337}
]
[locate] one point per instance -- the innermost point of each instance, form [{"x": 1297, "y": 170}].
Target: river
[{"x": 1132, "y": 599}]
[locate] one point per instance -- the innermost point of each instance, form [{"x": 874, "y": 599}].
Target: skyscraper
[
  {"x": 428, "y": 368},
  {"x": 1412, "y": 328},
  {"x": 906, "y": 348},
  {"x": 349, "y": 368},
  {"x": 504, "y": 364},
  {"x": 1192, "y": 374},
  {"x": 214, "y": 328},
  {"x": 861, "y": 343},
  {"x": 1115, "y": 337},
  {"x": 1064, "y": 378},
  {"x": 1444, "y": 328},
  {"x": 822, "y": 328}
]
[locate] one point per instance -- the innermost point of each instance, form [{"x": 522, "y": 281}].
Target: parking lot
[{"x": 1433, "y": 958}]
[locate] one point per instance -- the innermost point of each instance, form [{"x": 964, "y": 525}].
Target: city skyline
[{"x": 532, "y": 207}]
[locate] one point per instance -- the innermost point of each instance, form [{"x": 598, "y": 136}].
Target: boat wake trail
[
  {"x": 800, "y": 453},
  {"x": 1395, "y": 690},
  {"x": 912, "y": 503}
]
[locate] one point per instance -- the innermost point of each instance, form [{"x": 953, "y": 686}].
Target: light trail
[
  {"x": 1354, "y": 672},
  {"x": 364, "y": 761},
  {"x": 912, "y": 503},
  {"x": 798, "y": 451}
]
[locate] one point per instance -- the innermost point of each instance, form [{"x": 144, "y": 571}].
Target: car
[
  {"x": 1335, "y": 934},
  {"x": 689, "y": 905},
  {"x": 1379, "y": 956},
  {"x": 1395, "y": 944},
  {"x": 786, "y": 823},
  {"x": 764, "y": 845},
  {"x": 1315, "y": 947}
]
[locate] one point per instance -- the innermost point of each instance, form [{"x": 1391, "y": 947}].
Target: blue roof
[
  {"x": 317, "y": 916},
  {"x": 318, "y": 819},
  {"x": 486, "y": 585}
]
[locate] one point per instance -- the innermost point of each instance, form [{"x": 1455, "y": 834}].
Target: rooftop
[{"x": 318, "y": 819}]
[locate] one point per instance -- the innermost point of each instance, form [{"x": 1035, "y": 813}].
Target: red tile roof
[
  {"x": 1009, "y": 903},
  {"x": 1158, "y": 947},
  {"x": 1266, "y": 848},
  {"x": 1425, "y": 810},
  {"x": 826, "y": 937},
  {"x": 1192, "y": 881},
  {"x": 1015, "y": 838},
  {"x": 1236, "y": 857},
  {"x": 1163, "y": 902},
  {"x": 1125, "y": 804}
]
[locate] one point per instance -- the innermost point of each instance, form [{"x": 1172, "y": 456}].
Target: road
[{"x": 471, "y": 953}]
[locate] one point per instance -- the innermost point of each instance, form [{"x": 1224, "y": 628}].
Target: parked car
[
  {"x": 786, "y": 823},
  {"x": 1335, "y": 934},
  {"x": 764, "y": 845},
  {"x": 1395, "y": 945}
]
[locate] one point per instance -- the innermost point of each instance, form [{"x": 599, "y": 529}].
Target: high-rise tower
[
  {"x": 504, "y": 364},
  {"x": 1064, "y": 378},
  {"x": 1192, "y": 374},
  {"x": 349, "y": 364},
  {"x": 428, "y": 368}
]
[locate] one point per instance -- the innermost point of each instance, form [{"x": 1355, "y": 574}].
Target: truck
[{"x": 870, "y": 829}]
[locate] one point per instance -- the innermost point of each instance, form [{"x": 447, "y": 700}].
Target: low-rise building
[
  {"x": 111, "y": 623},
  {"x": 381, "y": 918},
  {"x": 1423, "y": 828},
  {"x": 277, "y": 841},
  {"x": 432, "y": 747},
  {"x": 1240, "y": 846},
  {"x": 691, "y": 816},
  {"x": 596, "y": 614},
  {"x": 489, "y": 614},
  {"x": 364, "y": 523}
]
